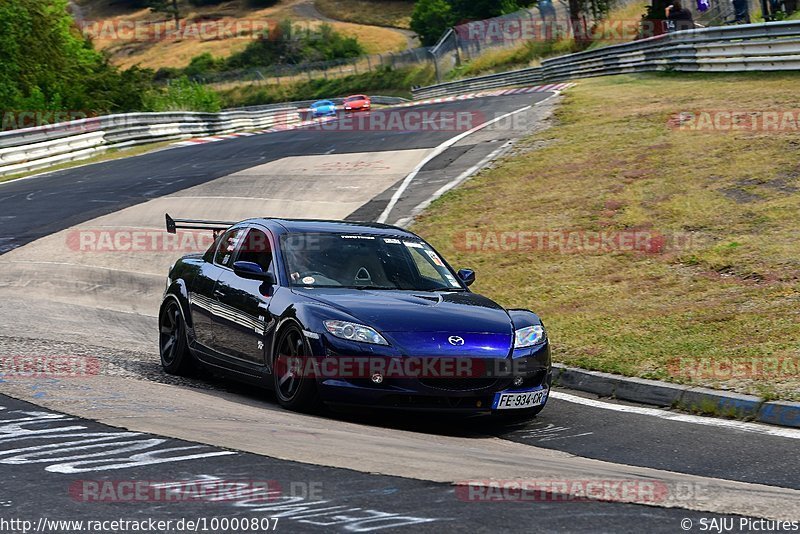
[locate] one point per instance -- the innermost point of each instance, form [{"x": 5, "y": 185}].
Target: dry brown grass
[
  {"x": 374, "y": 39},
  {"x": 155, "y": 54},
  {"x": 731, "y": 293},
  {"x": 392, "y": 13}
]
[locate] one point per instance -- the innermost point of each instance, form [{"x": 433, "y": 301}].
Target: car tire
[
  {"x": 176, "y": 358},
  {"x": 293, "y": 391}
]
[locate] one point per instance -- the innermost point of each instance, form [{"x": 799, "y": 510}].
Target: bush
[
  {"x": 203, "y": 64},
  {"x": 183, "y": 95},
  {"x": 290, "y": 44},
  {"x": 430, "y": 20},
  {"x": 49, "y": 66},
  {"x": 46, "y": 64},
  {"x": 262, "y": 3},
  {"x": 201, "y": 3},
  {"x": 387, "y": 80}
]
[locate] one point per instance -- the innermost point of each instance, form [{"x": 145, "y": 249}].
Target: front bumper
[
  {"x": 473, "y": 394},
  {"x": 343, "y": 393}
]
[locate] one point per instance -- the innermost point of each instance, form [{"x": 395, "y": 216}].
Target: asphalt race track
[
  {"x": 346, "y": 472},
  {"x": 307, "y": 498},
  {"x": 73, "y": 196}
]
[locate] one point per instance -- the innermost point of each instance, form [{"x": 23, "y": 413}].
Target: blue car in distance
[
  {"x": 323, "y": 108},
  {"x": 343, "y": 313}
]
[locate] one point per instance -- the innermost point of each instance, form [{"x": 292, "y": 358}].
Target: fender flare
[{"x": 177, "y": 291}]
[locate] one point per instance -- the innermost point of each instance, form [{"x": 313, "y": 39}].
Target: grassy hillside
[
  {"x": 387, "y": 82},
  {"x": 716, "y": 299},
  {"x": 393, "y": 13},
  {"x": 619, "y": 26},
  {"x": 126, "y": 52}
]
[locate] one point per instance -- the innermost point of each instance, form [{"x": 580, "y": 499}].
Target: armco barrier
[
  {"x": 761, "y": 47},
  {"x": 41, "y": 147},
  {"x": 304, "y": 104}
]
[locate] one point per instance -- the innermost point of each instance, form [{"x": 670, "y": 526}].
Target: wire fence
[
  {"x": 549, "y": 21},
  {"x": 725, "y": 12},
  {"x": 337, "y": 68}
]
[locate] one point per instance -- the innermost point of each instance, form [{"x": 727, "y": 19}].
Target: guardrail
[
  {"x": 303, "y": 104},
  {"x": 38, "y": 148},
  {"x": 770, "y": 46}
]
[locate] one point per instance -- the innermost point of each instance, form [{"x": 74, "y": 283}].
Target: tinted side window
[
  {"x": 256, "y": 249},
  {"x": 209, "y": 254},
  {"x": 227, "y": 247}
]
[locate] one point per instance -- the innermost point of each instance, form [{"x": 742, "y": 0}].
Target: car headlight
[
  {"x": 528, "y": 336},
  {"x": 354, "y": 332}
]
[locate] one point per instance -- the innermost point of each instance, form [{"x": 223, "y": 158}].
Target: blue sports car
[
  {"x": 323, "y": 108},
  {"x": 341, "y": 313}
]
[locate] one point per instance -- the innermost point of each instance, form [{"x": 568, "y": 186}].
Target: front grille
[{"x": 459, "y": 384}]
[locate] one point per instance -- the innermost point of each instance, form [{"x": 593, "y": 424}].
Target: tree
[
  {"x": 291, "y": 44},
  {"x": 430, "y": 19},
  {"x": 170, "y": 7},
  {"x": 486, "y": 9},
  {"x": 49, "y": 66}
]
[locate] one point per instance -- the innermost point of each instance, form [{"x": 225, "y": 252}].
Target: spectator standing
[{"x": 678, "y": 18}]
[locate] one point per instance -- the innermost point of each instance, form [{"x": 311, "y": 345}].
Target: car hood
[{"x": 416, "y": 311}]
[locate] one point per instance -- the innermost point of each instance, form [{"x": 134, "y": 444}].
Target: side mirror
[
  {"x": 467, "y": 276},
  {"x": 252, "y": 271}
]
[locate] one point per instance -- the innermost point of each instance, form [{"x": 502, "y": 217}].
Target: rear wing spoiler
[{"x": 173, "y": 225}]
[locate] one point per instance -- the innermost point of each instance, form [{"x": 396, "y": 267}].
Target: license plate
[{"x": 524, "y": 399}]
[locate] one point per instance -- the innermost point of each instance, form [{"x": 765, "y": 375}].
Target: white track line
[
  {"x": 453, "y": 183},
  {"x": 437, "y": 151},
  {"x": 680, "y": 417}
]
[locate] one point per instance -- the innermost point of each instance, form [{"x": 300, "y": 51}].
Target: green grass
[
  {"x": 619, "y": 26},
  {"x": 528, "y": 54},
  {"x": 385, "y": 81},
  {"x": 731, "y": 293}
]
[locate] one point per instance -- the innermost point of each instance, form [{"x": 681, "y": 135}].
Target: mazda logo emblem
[{"x": 455, "y": 340}]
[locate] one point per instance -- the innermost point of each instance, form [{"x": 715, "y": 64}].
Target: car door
[
  {"x": 243, "y": 326},
  {"x": 202, "y": 300}
]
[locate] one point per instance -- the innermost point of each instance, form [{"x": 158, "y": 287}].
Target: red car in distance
[{"x": 357, "y": 103}]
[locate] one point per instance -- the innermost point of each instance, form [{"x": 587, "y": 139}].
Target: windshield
[
  {"x": 354, "y": 99},
  {"x": 364, "y": 262}
]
